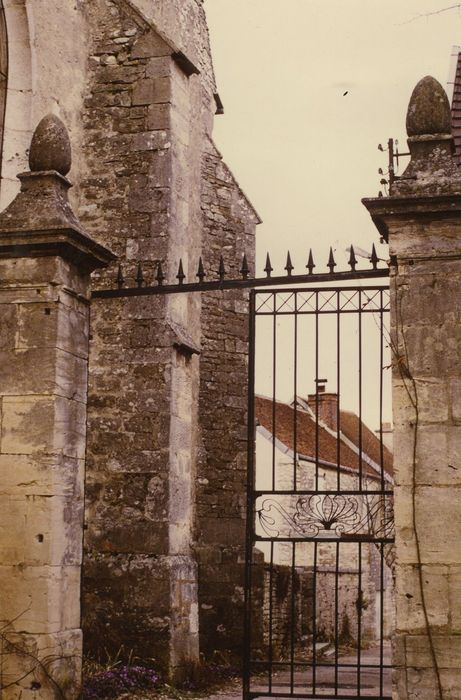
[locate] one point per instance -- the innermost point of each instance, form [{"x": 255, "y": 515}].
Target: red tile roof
[
  {"x": 309, "y": 437},
  {"x": 371, "y": 444}
]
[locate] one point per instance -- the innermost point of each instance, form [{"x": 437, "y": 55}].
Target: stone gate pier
[
  {"x": 45, "y": 265},
  {"x": 421, "y": 219}
]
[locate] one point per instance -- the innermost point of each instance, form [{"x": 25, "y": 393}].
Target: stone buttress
[{"x": 167, "y": 426}]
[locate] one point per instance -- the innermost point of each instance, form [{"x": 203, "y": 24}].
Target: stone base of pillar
[
  {"x": 40, "y": 665},
  {"x": 414, "y": 668},
  {"x": 142, "y": 606}
]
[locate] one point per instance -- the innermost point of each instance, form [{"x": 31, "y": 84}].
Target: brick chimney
[{"x": 327, "y": 405}]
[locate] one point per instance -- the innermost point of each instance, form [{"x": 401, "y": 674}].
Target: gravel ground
[{"x": 230, "y": 691}]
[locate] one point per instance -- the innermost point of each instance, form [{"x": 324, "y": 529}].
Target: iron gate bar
[
  {"x": 359, "y": 620},
  {"x": 381, "y": 622},
  {"x": 274, "y": 375},
  {"x": 295, "y": 393},
  {"x": 222, "y": 284},
  {"x": 360, "y": 398},
  {"x": 381, "y": 395},
  {"x": 337, "y": 562},
  {"x": 338, "y": 402},
  {"x": 271, "y": 565},
  {"x": 271, "y": 616},
  {"x": 249, "y": 500}
]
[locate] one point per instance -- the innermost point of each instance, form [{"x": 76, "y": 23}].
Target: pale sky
[{"x": 303, "y": 151}]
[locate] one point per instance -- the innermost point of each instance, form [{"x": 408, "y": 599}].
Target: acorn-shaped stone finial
[
  {"x": 50, "y": 148},
  {"x": 428, "y": 109}
]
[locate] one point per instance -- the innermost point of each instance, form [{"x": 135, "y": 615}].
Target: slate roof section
[{"x": 306, "y": 437}]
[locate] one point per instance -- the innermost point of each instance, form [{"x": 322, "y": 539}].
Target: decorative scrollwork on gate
[{"x": 334, "y": 515}]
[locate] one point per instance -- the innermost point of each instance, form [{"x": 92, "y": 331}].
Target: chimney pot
[{"x": 326, "y": 404}]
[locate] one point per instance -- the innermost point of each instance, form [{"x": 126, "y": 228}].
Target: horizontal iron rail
[
  {"x": 303, "y": 492},
  {"x": 345, "y": 539},
  {"x": 323, "y": 312},
  {"x": 310, "y": 664},
  {"x": 250, "y": 283},
  {"x": 333, "y": 695}
]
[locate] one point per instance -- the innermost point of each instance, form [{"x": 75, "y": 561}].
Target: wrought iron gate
[
  {"x": 318, "y": 589},
  {"x": 319, "y": 507}
]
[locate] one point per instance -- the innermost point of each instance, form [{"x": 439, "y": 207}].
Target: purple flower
[{"x": 109, "y": 684}]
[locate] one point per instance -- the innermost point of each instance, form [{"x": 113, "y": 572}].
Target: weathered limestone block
[
  {"x": 62, "y": 373},
  {"x": 40, "y": 598},
  {"x": 53, "y": 475},
  {"x": 454, "y": 583},
  {"x": 448, "y": 650},
  {"x": 45, "y": 424},
  {"x": 437, "y": 535},
  {"x": 444, "y": 445},
  {"x": 47, "y": 665},
  {"x": 42, "y": 527},
  {"x": 151, "y": 91},
  {"x": 410, "y": 615}
]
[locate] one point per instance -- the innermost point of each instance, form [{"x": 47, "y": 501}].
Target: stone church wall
[
  {"x": 43, "y": 77},
  {"x": 156, "y": 191},
  {"x": 229, "y": 222},
  {"x": 133, "y": 81},
  {"x": 126, "y": 201}
]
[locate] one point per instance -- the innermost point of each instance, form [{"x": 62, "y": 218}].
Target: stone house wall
[
  {"x": 325, "y": 557},
  {"x": 279, "y": 627},
  {"x": 278, "y": 623},
  {"x": 329, "y": 620}
]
